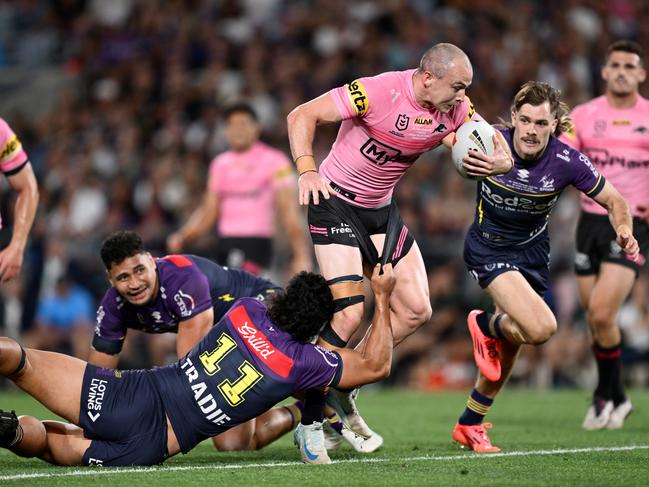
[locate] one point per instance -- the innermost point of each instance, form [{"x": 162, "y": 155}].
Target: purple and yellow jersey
[
  {"x": 513, "y": 208},
  {"x": 188, "y": 286},
  {"x": 244, "y": 366}
]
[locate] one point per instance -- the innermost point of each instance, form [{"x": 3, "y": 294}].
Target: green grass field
[{"x": 539, "y": 432}]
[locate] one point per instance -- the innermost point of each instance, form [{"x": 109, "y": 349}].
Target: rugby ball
[{"x": 476, "y": 135}]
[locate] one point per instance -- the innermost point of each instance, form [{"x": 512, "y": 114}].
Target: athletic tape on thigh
[
  {"x": 329, "y": 335},
  {"x": 364, "y": 242},
  {"x": 342, "y": 303},
  {"x": 348, "y": 278},
  {"x": 23, "y": 359}
]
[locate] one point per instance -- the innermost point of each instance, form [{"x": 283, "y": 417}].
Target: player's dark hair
[
  {"x": 240, "y": 107},
  {"x": 536, "y": 93},
  {"x": 119, "y": 246},
  {"x": 305, "y": 307},
  {"x": 626, "y": 46}
]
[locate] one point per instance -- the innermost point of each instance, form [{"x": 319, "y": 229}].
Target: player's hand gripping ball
[{"x": 476, "y": 135}]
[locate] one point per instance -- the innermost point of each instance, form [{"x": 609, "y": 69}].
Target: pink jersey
[
  {"x": 383, "y": 132},
  {"x": 245, "y": 183},
  {"x": 617, "y": 143},
  {"x": 13, "y": 156}
]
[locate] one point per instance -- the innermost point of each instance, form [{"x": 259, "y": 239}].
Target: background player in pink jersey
[
  {"x": 249, "y": 186},
  {"x": 612, "y": 131},
  {"x": 15, "y": 165},
  {"x": 387, "y": 122}
]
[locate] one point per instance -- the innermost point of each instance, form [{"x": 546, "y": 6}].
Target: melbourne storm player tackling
[
  {"x": 507, "y": 248},
  {"x": 183, "y": 294},
  {"x": 252, "y": 359}
]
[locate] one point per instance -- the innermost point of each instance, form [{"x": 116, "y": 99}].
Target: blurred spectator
[{"x": 64, "y": 320}]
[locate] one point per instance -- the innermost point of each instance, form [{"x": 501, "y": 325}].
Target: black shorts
[
  {"x": 486, "y": 262},
  {"x": 596, "y": 244},
  {"x": 123, "y": 415},
  {"x": 252, "y": 254},
  {"x": 335, "y": 221}
]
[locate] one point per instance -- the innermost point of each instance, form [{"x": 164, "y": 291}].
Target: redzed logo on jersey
[{"x": 259, "y": 344}]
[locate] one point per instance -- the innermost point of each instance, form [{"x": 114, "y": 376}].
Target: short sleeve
[
  {"x": 318, "y": 367},
  {"x": 586, "y": 178},
  {"x": 188, "y": 294}
]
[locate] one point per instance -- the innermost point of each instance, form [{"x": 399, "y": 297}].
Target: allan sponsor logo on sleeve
[
  {"x": 259, "y": 344},
  {"x": 358, "y": 97}
]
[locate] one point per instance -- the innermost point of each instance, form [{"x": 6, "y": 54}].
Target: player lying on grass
[{"x": 255, "y": 357}]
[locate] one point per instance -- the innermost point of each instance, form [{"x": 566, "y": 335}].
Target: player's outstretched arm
[
  {"x": 375, "y": 361},
  {"x": 302, "y": 122},
  {"x": 619, "y": 215}
]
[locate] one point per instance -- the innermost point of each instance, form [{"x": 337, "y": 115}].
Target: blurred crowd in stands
[{"x": 122, "y": 137}]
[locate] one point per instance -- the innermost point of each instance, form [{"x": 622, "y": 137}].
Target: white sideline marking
[{"x": 180, "y": 468}]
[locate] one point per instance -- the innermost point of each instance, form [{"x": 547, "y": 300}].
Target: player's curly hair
[
  {"x": 119, "y": 246},
  {"x": 305, "y": 307},
  {"x": 536, "y": 93}
]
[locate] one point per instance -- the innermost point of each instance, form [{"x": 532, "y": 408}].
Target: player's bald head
[{"x": 442, "y": 57}]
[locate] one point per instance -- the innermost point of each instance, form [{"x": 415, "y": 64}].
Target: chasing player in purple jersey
[
  {"x": 386, "y": 122},
  {"x": 507, "y": 248},
  {"x": 253, "y": 358}
]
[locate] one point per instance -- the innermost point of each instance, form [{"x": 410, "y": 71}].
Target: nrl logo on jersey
[
  {"x": 402, "y": 122},
  {"x": 565, "y": 156}
]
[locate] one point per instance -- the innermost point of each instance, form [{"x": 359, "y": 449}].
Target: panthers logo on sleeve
[{"x": 358, "y": 97}]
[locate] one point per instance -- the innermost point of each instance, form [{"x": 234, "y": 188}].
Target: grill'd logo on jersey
[
  {"x": 381, "y": 153},
  {"x": 358, "y": 97},
  {"x": 402, "y": 122},
  {"x": 259, "y": 344}
]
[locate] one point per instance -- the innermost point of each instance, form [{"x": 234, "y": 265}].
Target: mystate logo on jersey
[{"x": 380, "y": 153}]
